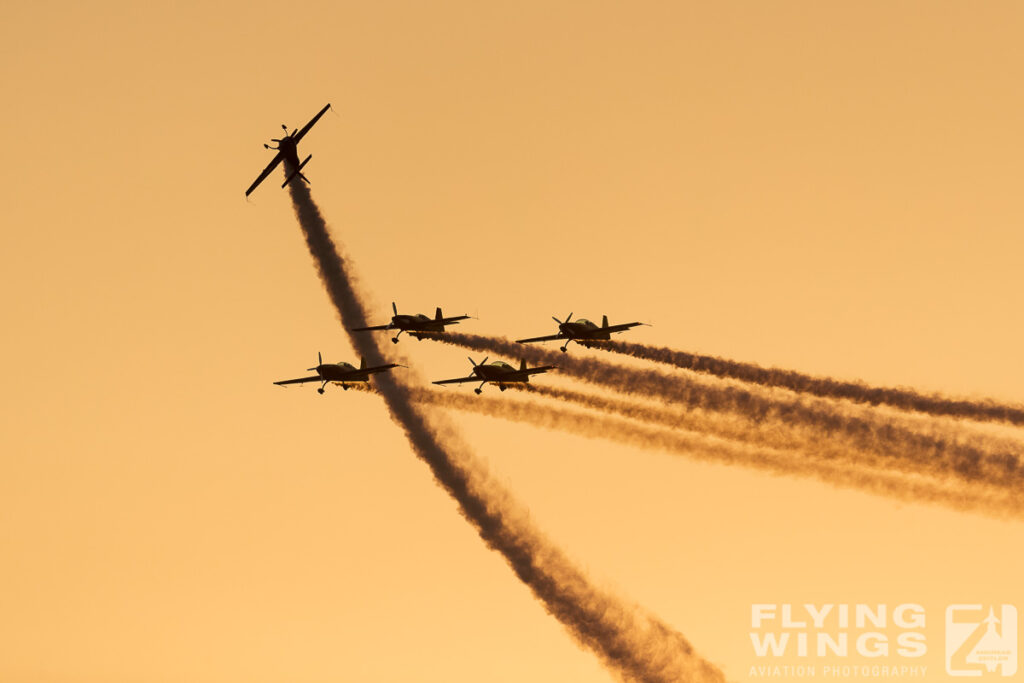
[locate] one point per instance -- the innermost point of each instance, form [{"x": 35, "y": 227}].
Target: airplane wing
[
  {"x": 620, "y": 327},
  {"x": 305, "y": 129},
  {"x": 267, "y": 171},
  {"x": 365, "y": 329},
  {"x": 380, "y": 368},
  {"x": 315, "y": 378},
  {"x": 459, "y": 380},
  {"x": 550, "y": 337}
]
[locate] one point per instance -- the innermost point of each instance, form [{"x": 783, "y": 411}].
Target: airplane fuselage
[
  {"x": 289, "y": 151},
  {"x": 499, "y": 373},
  {"x": 583, "y": 329},
  {"x": 341, "y": 372},
  {"x": 417, "y": 323}
]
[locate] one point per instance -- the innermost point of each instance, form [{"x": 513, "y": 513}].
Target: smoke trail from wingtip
[
  {"x": 628, "y": 640},
  {"x": 827, "y": 387},
  {"x": 935, "y": 454}
]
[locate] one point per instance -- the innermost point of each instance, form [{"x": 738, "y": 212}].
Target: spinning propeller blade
[{"x": 567, "y": 319}]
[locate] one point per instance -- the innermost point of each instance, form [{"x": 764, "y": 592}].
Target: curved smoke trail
[
  {"x": 632, "y": 642},
  {"x": 937, "y": 454},
  {"x": 827, "y": 387}
]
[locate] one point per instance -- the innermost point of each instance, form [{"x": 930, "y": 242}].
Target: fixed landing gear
[
  {"x": 394, "y": 340},
  {"x": 320, "y": 390},
  {"x": 563, "y": 349},
  {"x": 478, "y": 391},
  {"x": 502, "y": 387}
]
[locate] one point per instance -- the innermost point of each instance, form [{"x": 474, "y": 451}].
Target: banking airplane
[
  {"x": 339, "y": 373},
  {"x": 414, "y": 323},
  {"x": 581, "y": 331},
  {"x": 497, "y": 373},
  {"x": 288, "y": 150}
]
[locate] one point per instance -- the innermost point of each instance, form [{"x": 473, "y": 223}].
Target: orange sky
[{"x": 830, "y": 187}]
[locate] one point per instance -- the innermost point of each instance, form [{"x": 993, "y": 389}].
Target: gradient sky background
[{"x": 830, "y": 187}]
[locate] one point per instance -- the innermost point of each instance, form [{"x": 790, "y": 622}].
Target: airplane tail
[
  {"x": 522, "y": 364},
  {"x": 362, "y": 363},
  {"x": 298, "y": 172},
  {"x": 604, "y": 321},
  {"x": 438, "y": 315}
]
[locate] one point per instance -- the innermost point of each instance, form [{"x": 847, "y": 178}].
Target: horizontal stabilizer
[{"x": 297, "y": 172}]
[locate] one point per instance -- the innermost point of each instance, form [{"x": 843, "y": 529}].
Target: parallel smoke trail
[
  {"x": 954, "y": 494},
  {"x": 633, "y": 643},
  {"x": 733, "y": 427},
  {"x": 719, "y": 425},
  {"x": 904, "y": 398},
  {"x": 936, "y": 454}
]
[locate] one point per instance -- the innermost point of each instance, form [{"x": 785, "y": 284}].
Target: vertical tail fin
[
  {"x": 522, "y": 364},
  {"x": 604, "y": 321},
  {"x": 362, "y": 363},
  {"x": 438, "y": 315}
]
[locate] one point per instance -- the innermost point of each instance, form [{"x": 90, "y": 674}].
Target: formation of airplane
[
  {"x": 499, "y": 373},
  {"x": 339, "y": 373},
  {"x": 581, "y": 331},
  {"x": 288, "y": 151},
  {"x": 414, "y": 323}
]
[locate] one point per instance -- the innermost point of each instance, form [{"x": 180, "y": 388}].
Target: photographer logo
[{"x": 981, "y": 640}]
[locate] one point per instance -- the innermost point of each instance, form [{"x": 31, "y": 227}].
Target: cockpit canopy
[{"x": 502, "y": 364}]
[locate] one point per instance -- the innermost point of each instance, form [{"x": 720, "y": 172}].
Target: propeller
[
  {"x": 483, "y": 362},
  {"x": 567, "y": 319},
  {"x": 394, "y": 308},
  {"x": 319, "y": 360}
]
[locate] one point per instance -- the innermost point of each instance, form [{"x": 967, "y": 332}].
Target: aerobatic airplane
[
  {"x": 580, "y": 331},
  {"x": 414, "y": 323},
  {"x": 499, "y": 373},
  {"x": 339, "y": 373},
  {"x": 288, "y": 150}
]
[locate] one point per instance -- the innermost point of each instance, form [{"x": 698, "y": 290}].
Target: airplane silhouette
[
  {"x": 580, "y": 331},
  {"x": 499, "y": 373},
  {"x": 413, "y": 323},
  {"x": 339, "y": 373},
  {"x": 288, "y": 150}
]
